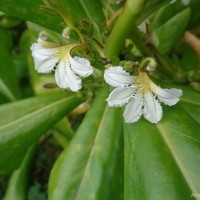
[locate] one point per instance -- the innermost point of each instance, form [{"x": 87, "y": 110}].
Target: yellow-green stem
[
  {"x": 146, "y": 61},
  {"x": 123, "y": 27}
]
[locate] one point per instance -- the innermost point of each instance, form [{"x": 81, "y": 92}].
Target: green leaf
[
  {"x": 74, "y": 9},
  {"x": 190, "y": 102},
  {"x": 24, "y": 121},
  {"x": 90, "y": 167},
  {"x": 94, "y": 12},
  {"x": 163, "y": 162},
  {"x": 167, "y": 35},
  {"x": 163, "y": 14},
  {"x": 35, "y": 193},
  {"x": 9, "y": 87},
  {"x": 151, "y": 7},
  {"x": 18, "y": 183},
  {"x": 30, "y": 11}
]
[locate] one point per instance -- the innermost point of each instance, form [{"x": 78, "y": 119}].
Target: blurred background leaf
[
  {"x": 18, "y": 183},
  {"x": 30, "y": 11},
  {"x": 9, "y": 86},
  {"x": 168, "y": 34}
]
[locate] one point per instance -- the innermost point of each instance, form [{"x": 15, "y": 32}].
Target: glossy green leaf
[
  {"x": 74, "y": 9},
  {"x": 9, "y": 87},
  {"x": 30, "y": 11},
  {"x": 167, "y": 35},
  {"x": 190, "y": 102},
  {"x": 162, "y": 161},
  {"x": 94, "y": 11},
  {"x": 23, "y": 122},
  {"x": 90, "y": 167},
  {"x": 151, "y": 7},
  {"x": 163, "y": 15},
  {"x": 18, "y": 183}
]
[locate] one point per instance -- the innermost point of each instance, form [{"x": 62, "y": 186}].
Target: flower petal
[
  {"x": 45, "y": 65},
  {"x": 43, "y": 51},
  {"x": 152, "y": 108},
  {"x": 65, "y": 77},
  {"x": 81, "y": 66},
  {"x": 168, "y": 96},
  {"x": 120, "y": 96},
  {"x": 117, "y": 77},
  {"x": 60, "y": 74},
  {"x": 133, "y": 110}
]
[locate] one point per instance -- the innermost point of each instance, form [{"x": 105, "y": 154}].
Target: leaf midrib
[
  {"x": 32, "y": 114},
  {"x": 180, "y": 163},
  {"x": 189, "y": 101},
  {"x": 91, "y": 154},
  {"x": 7, "y": 92}
]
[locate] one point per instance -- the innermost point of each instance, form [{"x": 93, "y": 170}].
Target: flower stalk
[{"x": 148, "y": 63}]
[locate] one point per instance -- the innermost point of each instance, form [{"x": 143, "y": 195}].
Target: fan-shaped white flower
[
  {"x": 49, "y": 56},
  {"x": 141, "y": 95}
]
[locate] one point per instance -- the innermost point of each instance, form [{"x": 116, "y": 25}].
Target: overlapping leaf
[
  {"x": 18, "y": 183},
  {"x": 22, "y": 122},
  {"x": 30, "y": 11},
  {"x": 9, "y": 88},
  {"x": 163, "y": 162},
  {"x": 90, "y": 167},
  {"x": 167, "y": 35}
]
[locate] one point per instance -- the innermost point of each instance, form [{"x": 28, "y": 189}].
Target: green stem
[
  {"x": 146, "y": 61},
  {"x": 72, "y": 28},
  {"x": 123, "y": 27}
]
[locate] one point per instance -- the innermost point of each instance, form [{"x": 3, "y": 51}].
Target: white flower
[
  {"x": 48, "y": 56},
  {"x": 141, "y": 95}
]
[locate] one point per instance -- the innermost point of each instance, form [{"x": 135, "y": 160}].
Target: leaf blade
[
  {"x": 26, "y": 120},
  {"x": 86, "y": 156},
  {"x": 161, "y": 156}
]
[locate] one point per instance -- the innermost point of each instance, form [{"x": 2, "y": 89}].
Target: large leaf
[
  {"x": 190, "y": 102},
  {"x": 90, "y": 168},
  {"x": 30, "y": 11},
  {"x": 151, "y": 7},
  {"x": 9, "y": 87},
  {"x": 163, "y": 15},
  {"x": 22, "y": 122},
  {"x": 163, "y": 162},
  {"x": 166, "y": 36}
]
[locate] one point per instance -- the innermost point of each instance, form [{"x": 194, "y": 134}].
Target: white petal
[
  {"x": 168, "y": 96},
  {"x": 45, "y": 65},
  {"x": 65, "y": 77},
  {"x": 152, "y": 108},
  {"x": 35, "y": 46},
  {"x": 60, "y": 74},
  {"x": 117, "y": 77},
  {"x": 81, "y": 66},
  {"x": 133, "y": 110},
  {"x": 120, "y": 96},
  {"x": 38, "y": 50}
]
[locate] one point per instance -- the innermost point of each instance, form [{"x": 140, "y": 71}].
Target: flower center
[
  {"x": 143, "y": 82},
  {"x": 63, "y": 52}
]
